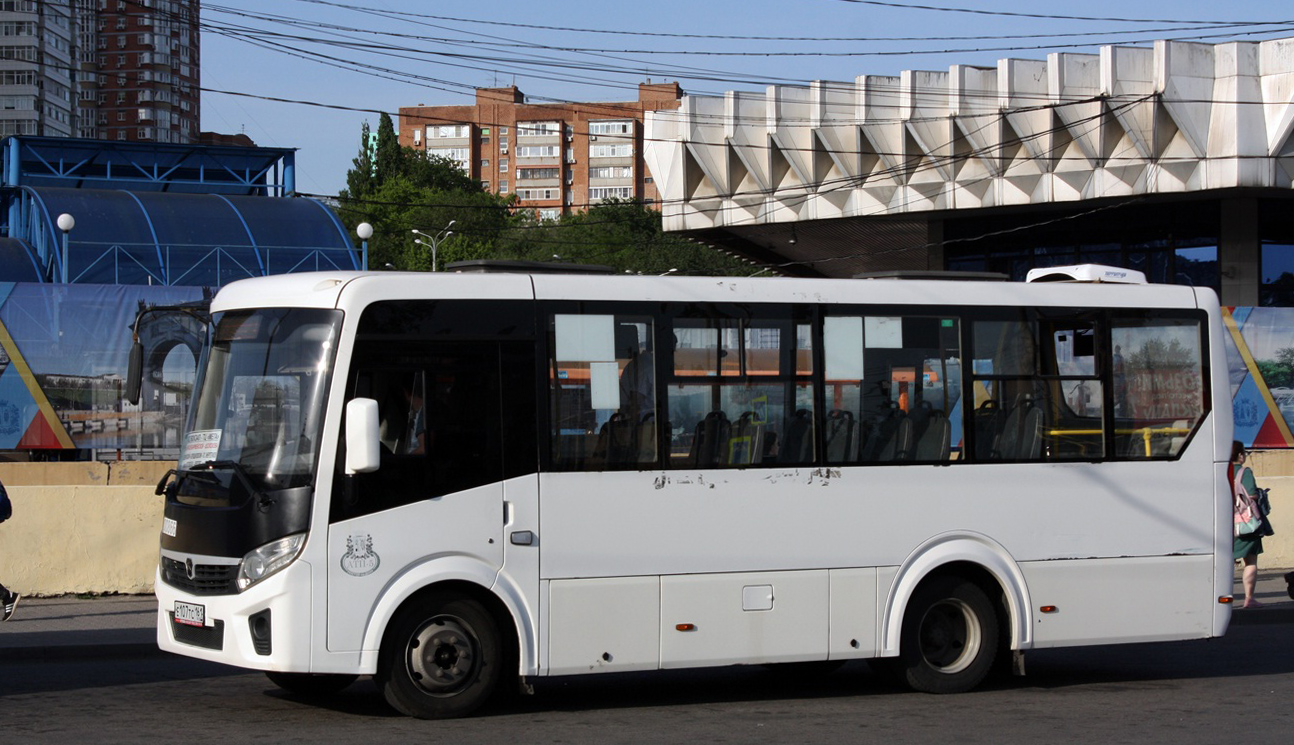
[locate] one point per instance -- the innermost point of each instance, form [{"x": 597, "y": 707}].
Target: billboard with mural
[
  {"x": 64, "y": 352},
  {"x": 1260, "y": 362}
]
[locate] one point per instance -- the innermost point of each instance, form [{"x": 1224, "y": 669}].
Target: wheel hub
[
  {"x": 442, "y": 656},
  {"x": 949, "y": 636}
]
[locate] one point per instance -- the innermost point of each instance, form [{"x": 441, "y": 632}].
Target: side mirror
[
  {"x": 363, "y": 447},
  {"x": 135, "y": 372}
]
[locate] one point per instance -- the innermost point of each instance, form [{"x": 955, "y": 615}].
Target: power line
[
  {"x": 1013, "y": 14},
  {"x": 524, "y": 67}
]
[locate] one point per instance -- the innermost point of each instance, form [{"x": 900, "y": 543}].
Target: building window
[
  {"x": 611, "y": 172},
  {"x": 503, "y": 187},
  {"x": 503, "y": 165},
  {"x": 449, "y": 131},
  {"x": 533, "y": 195},
  {"x": 611, "y": 127},
  {"x": 620, "y": 150},
  {"x": 538, "y": 129},
  {"x": 599, "y": 193},
  {"x": 460, "y": 155},
  {"x": 485, "y": 164},
  {"x": 538, "y": 173},
  {"x": 538, "y": 151},
  {"x": 1277, "y": 285}
]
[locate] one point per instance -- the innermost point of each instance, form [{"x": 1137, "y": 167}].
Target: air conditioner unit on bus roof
[{"x": 1086, "y": 273}]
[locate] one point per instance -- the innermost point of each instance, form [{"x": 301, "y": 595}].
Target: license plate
[{"x": 190, "y": 614}]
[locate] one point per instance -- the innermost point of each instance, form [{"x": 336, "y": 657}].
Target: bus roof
[{"x": 358, "y": 289}]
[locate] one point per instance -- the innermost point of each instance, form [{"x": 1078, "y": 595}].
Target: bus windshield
[{"x": 257, "y": 407}]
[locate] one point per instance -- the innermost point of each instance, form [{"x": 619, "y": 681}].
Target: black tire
[
  {"x": 310, "y": 684},
  {"x": 440, "y": 657},
  {"x": 950, "y": 637}
]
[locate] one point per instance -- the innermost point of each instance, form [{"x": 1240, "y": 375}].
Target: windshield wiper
[{"x": 263, "y": 500}]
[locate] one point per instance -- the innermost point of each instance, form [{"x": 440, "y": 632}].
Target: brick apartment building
[
  {"x": 555, "y": 157},
  {"x": 100, "y": 69}
]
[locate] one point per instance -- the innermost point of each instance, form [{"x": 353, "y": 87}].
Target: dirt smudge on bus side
[
  {"x": 819, "y": 476},
  {"x": 663, "y": 481},
  {"x": 826, "y": 474}
]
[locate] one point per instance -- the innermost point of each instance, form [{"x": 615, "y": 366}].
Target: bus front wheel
[
  {"x": 949, "y": 640},
  {"x": 440, "y": 658}
]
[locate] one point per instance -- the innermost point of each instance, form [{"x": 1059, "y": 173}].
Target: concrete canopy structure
[{"x": 892, "y": 172}]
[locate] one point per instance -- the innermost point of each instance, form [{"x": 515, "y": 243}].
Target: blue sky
[{"x": 379, "y": 55}]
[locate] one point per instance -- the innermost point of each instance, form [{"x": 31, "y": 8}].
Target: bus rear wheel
[
  {"x": 950, "y": 633},
  {"x": 440, "y": 658}
]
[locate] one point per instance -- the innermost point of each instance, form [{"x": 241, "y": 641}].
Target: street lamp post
[
  {"x": 434, "y": 241},
  {"x": 65, "y": 223},
  {"x": 364, "y": 231}
]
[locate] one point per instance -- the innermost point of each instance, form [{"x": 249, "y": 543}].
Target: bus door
[{"x": 456, "y": 421}]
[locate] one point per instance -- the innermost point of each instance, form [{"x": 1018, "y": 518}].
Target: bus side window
[
  {"x": 1158, "y": 384},
  {"x": 893, "y": 387},
  {"x": 441, "y": 422},
  {"x": 602, "y": 383},
  {"x": 740, "y": 391}
]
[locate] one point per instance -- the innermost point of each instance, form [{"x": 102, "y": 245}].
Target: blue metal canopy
[{"x": 159, "y": 215}]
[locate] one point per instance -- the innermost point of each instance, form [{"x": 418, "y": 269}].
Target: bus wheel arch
[
  {"x": 959, "y": 586},
  {"x": 493, "y": 590},
  {"x": 448, "y": 648}
]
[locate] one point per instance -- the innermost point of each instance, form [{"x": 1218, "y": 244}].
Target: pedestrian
[
  {"x": 9, "y": 597},
  {"x": 1245, "y": 546}
]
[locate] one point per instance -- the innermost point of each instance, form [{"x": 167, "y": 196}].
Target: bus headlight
[{"x": 268, "y": 559}]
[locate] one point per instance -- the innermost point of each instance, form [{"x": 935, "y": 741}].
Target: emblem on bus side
[{"x": 360, "y": 560}]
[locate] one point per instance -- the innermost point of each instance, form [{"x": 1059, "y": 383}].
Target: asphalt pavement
[{"x": 76, "y": 627}]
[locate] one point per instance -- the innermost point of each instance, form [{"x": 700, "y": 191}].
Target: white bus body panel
[
  {"x": 747, "y": 618},
  {"x": 1128, "y": 599},
  {"x": 1221, "y": 424},
  {"x": 368, "y": 556},
  {"x": 604, "y": 625}
]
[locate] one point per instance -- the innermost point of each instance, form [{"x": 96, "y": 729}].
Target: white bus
[{"x": 457, "y": 482}]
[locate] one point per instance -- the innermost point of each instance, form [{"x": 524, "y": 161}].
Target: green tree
[
  {"x": 360, "y": 180},
  {"x": 1285, "y": 361},
  {"x": 622, "y": 234},
  {"x": 388, "y": 155},
  {"x": 398, "y": 190}
]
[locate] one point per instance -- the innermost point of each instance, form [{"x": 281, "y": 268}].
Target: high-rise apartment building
[
  {"x": 100, "y": 69},
  {"x": 555, "y": 157},
  {"x": 37, "y": 41}
]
